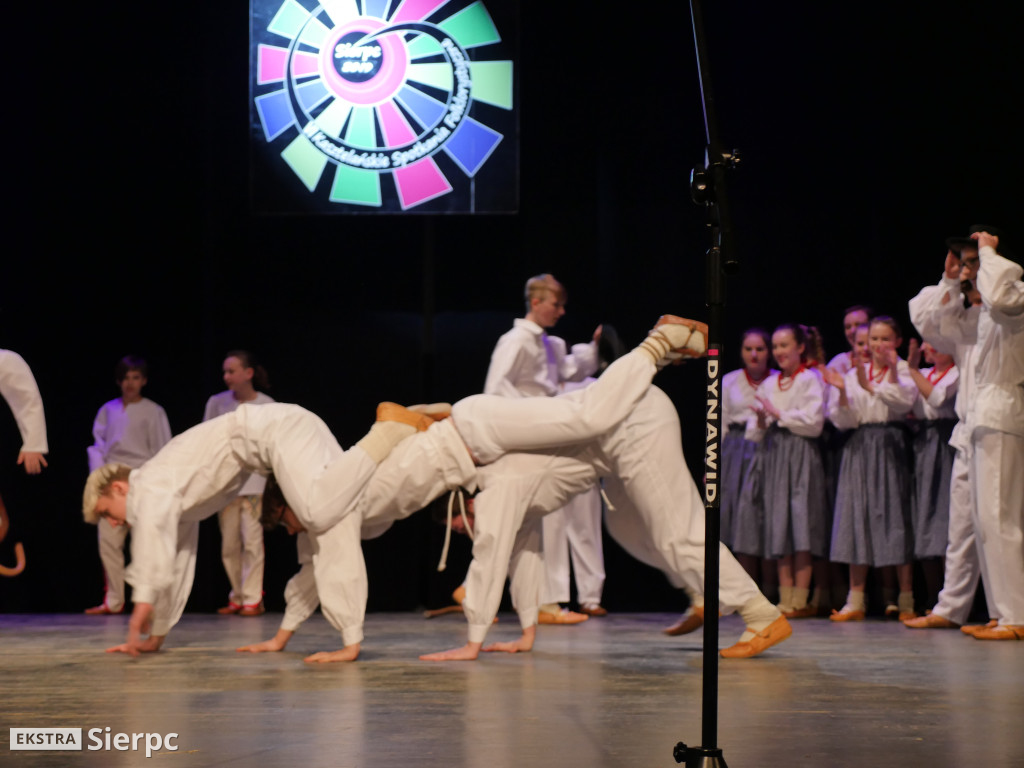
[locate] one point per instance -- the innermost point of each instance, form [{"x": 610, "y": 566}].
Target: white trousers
[
  {"x": 111, "y": 545},
  {"x": 963, "y": 557},
  {"x": 241, "y": 549},
  {"x": 574, "y": 531},
  {"x": 658, "y": 514},
  {"x": 997, "y": 482},
  {"x": 491, "y": 425}
]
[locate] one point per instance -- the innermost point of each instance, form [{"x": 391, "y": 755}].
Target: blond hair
[
  {"x": 98, "y": 485},
  {"x": 538, "y": 286}
]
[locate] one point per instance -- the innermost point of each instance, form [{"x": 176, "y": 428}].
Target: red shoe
[
  {"x": 593, "y": 609},
  {"x": 103, "y": 610},
  {"x": 228, "y": 609},
  {"x": 689, "y": 622},
  {"x": 255, "y": 609}
]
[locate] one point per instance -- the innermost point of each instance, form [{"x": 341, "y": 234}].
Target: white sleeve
[
  {"x": 97, "y": 452},
  {"x": 211, "y": 411},
  {"x": 507, "y": 357},
  {"x": 154, "y": 516},
  {"x": 340, "y": 577},
  {"x": 18, "y": 387},
  {"x": 753, "y": 432},
  {"x": 578, "y": 364},
  {"x": 1000, "y": 286},
  {"x": 300, "y": 594},
  {"x": 927, "y": 310},
  {"x": 959, "y": 325},
  {"x": 170, "y": 601},
  {"x": 899, "y": 396},
  {"x": 944, "y": 391},
  {"x": 160, "y": 432},
  {"x": 844, "y": 417}
]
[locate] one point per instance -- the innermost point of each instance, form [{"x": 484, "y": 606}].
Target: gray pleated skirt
[
  {"x": 795, "y": 501},
  {"x": 933, "y": 466},
  {"x": 872, "y": 524},
  {"x": 737, "y": 455}
]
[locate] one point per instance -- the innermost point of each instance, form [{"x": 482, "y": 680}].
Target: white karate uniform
[
  {"x": 241, "y": 535},
  {"x": 202, "y": 469},
  {"x": 18, "y": 387},
  {"x": 424, "y": 466},
  {"x": 527, "y": 362},
  {"x": 130, "y": 434},
  {"x": 996, "y": 424},
  {"x": 952, "y": 329}
]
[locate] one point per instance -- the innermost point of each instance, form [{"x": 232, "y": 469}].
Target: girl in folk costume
[
  {"x": 933, "y": 459},
  {"x": 787, "y": 477},
  {"x": 738, "y": 390},
  {"x": 872, "y": 524},
  {"x": 241, "y": 533},
  {"x": 854, "y": 318}
]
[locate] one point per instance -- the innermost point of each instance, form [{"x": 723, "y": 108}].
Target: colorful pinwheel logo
[{"x": 363, "y": 93}]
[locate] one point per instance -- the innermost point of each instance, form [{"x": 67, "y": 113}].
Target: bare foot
[
  {"x": 468, "y": 652},
  {"x": 348, "y": 653},
  {"x": 523, "y": 645},
  {"x": 266, "y": 646},
  {"x": 276, "y": 643}
]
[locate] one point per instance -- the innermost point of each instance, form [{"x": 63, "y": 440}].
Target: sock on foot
[
  {"x": 662, "y": 340},
  {"x": 906, "y": 602},
  {"x": 799, "y": 598},
  {"x": 785, "y": 598},
  {"x": 854, "y": 601},
  {"x": 757, "y": 613},
  {"x": 382, "y": 437}
]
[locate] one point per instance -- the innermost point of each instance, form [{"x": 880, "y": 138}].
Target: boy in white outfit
[
  {"x": 529, "y": 362},
  {"x": 127, "y": 430},
  {"x": 202, "y": 469}
]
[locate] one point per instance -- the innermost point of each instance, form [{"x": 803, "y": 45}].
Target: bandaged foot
[
  {"x": 394, "y": 424},
  {"x": 674, "y": 339},
  {"x": 436, "y": 411},
  {"x": 402, "y": 415}
]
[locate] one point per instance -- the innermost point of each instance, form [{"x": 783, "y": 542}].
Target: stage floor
[{"x": 613, "y": 691}]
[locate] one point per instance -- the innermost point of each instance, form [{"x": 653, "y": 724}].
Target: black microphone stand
[{"x": 707, "y": 188}]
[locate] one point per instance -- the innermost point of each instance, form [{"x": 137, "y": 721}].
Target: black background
[{"x": 868, "y": 136}]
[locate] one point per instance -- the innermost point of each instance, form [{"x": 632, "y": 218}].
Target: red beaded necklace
[
  {"x": 881, "y": 373},
  {"x": 933, "y": 371},
  {"x": 752, "y": 381},
  {"x": 790, "y": 379}
]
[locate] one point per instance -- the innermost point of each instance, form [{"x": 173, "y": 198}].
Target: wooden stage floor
[{"x": 613, "y": 691}]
